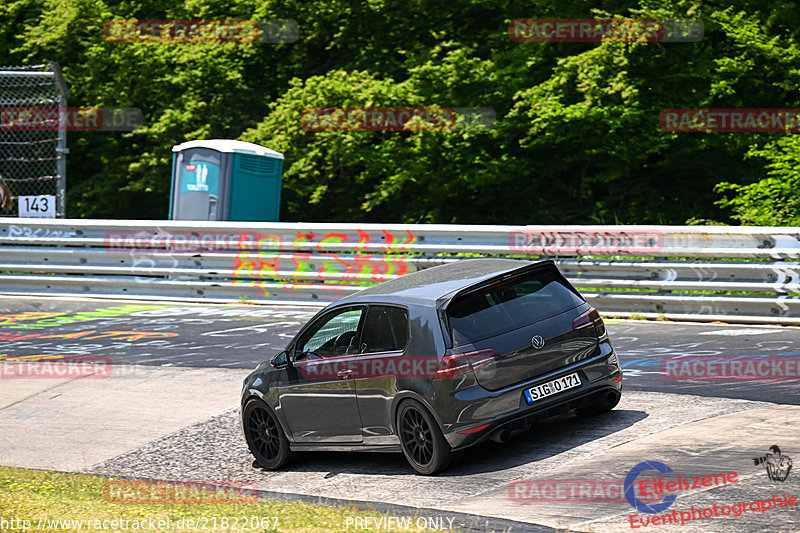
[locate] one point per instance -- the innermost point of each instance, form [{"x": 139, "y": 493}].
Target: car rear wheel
[
  {"x": 265, "y": 438},
  {"x": 422, "y": 441}
]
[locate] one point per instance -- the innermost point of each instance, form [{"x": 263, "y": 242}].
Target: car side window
[
  {"x": 385, "y": 329},
  {"x": 332, "y": 335}
]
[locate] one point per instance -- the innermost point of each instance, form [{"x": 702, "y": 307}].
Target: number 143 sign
[{"x": 43, "y": 206}]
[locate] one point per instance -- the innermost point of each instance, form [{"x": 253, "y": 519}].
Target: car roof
[{"x": 429, "y": 286}]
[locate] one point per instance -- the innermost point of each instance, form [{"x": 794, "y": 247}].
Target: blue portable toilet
[{"x": 224, "y": 179}]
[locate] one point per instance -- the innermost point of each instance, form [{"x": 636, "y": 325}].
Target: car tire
[
  {"x": 264, "y": 435},
  {"x": 422, "y": 441},
  {"x": 603, "y": 406}
]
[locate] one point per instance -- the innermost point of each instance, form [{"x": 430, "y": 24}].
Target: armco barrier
[{"x": 734, "y": 274}]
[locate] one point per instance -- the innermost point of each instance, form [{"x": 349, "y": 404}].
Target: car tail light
[
  {"x": 457, "y": 364},
  {"x": 590, "y": 319}
]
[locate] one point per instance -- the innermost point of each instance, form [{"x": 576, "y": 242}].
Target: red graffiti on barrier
[
  {"x": 339, "y": 256},
  {"x": 326, "y": 266},
  {"x": 323, "y": 267}
]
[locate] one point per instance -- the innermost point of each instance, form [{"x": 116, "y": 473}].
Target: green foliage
[
  {"x": 775, "y": 199},
  {"x": 576, "y": 140}
]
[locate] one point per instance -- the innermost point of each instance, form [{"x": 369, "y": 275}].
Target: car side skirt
[{"x": 313, "y": 447}]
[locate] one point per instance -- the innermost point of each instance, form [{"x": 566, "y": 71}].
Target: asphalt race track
[
  {"x": 241, "y": 337},
  {"x": 167, "y": 409}
]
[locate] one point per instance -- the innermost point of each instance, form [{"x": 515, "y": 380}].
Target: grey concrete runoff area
[{"x": 173, "y": 416}]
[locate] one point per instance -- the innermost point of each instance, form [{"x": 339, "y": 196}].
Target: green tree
[
  {"x": 577, "y": 137},
  {"x": 775, "y": 199}
]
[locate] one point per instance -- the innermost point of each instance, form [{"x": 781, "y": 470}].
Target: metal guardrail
[{"x": 622, "y": 270}]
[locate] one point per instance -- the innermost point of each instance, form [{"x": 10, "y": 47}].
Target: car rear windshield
[{"x": 509, "y": 305}]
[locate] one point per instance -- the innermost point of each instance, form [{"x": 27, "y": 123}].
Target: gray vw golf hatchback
[{"x": 434, "y": 362}]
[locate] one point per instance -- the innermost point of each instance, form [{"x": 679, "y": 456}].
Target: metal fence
[
  {"x": 734, "y": 274},
  {"x": 32, "y": 159}
]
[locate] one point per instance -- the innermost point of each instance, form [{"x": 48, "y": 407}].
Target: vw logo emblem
[{"x": 537, "y": 341}]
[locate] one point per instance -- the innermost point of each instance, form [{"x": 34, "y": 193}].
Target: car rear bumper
[{"x": 510, "y": 413}]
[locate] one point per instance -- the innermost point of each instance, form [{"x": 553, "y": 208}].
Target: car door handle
[{"x": 344, "y": 373}]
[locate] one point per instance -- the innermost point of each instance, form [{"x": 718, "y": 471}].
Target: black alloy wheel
[
  {"x": 264, "y": 436},
  {"x": 422, "y": 441}
]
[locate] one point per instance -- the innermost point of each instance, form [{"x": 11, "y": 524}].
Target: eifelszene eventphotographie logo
[{"x": 630, "y": 495}]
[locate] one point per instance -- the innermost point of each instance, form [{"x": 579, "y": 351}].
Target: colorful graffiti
[
  {"x": 39, "y": 320},
  {"x": 325, "y": 266},
  {"x": 388, "y": 243},
  {"x": 128, "y": 336},
  {"x": 291, "y": 260},
  {"x": 22, "y": 358},
  {"x": 365, "y": 269}
]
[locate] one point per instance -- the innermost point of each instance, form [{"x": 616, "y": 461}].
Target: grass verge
[{"x": 42, "y": 498}]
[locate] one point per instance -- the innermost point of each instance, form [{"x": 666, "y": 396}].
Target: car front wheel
[
  {"x": 264, "y": 436},
  {"x": 422, "y": 441}
]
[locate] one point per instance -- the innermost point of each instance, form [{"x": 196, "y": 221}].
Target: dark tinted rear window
[
  {"x": 509, "y": 305},
  {"x": 385, "y": 329}
]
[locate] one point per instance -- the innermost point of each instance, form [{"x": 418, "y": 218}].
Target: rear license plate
[{"x": 570, "y": 381}]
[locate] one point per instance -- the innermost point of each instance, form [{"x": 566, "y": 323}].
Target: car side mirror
[{"x": 281, "y": 361}]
